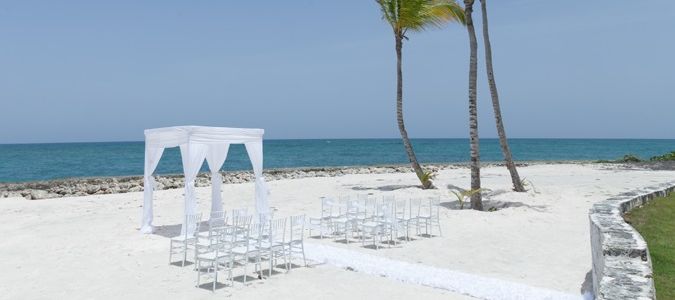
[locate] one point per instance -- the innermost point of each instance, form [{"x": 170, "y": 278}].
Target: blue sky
[{"x": 106, "y": 70}]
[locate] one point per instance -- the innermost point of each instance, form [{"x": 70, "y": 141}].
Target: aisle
[{"x": 463, "y": 283}]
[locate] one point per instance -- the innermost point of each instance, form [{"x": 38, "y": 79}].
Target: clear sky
[{"x": 106, "y": 70}]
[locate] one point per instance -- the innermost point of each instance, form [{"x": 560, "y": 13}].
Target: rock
[
  {"x": 38, "y": 194},
  {"x": 91, "y": 189}
]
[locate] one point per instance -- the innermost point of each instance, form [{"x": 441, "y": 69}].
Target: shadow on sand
[
  {"x": 385, "y": 188},
  {"x": 494, "y": 205},
  {"x": 173, "y": 230}
]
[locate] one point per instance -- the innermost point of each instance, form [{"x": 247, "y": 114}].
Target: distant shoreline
[{"x": 83, "y": 186}]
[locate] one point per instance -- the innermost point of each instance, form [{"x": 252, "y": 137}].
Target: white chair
[
  {"x": 257, "y": 234},
  {"x": 393, "y": 214},
  {"x": 343, "y": 225},
  {"x": 243, "y": 249},
  {"x": 429, "y": 216},
  {"x": 273, "y": 245},
  {"x": 217, "y": 224},
  {"x": 375, "y": 227},
  {"x": 323, "y": 224},
  {"x": 414, "y": 206},
  {"x": 188, "y": 238},
  {"x": 296, "y": 242},
  {"x": 217, "y": 258}
]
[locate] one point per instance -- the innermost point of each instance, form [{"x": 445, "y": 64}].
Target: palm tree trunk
[
  {"x": 508, "y": 159},
  {"x": 476, "y": 199},
  {"x": 399, "y": 116}
]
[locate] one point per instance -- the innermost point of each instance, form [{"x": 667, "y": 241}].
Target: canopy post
[{"x": 152, "y": 156}]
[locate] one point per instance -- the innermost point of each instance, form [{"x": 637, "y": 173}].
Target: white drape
[
  {"x": 193, "y": 157},
  {"x": 152, "y": 156},
  {"x": 255, "y": 154},
  {"x": 215, "y": 158}
]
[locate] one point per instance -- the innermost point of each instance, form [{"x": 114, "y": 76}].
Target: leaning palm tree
[
  {"x": 476, "y": 199},
  {"x": 415, "y": 15},
  {"x": 508, "y": 159}
]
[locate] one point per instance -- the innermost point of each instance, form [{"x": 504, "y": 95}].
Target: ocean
[{"x": 31, "y": 162}]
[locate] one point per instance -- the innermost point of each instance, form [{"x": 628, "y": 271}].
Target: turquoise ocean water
[{"x": 29, "y": 162}]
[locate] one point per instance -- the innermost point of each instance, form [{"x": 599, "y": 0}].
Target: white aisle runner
[{"x": 458, "y": 282}]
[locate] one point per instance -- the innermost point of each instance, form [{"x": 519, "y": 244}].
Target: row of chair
[
  {"x": 375, "y": 219},
  {"x": 228, "y": 245}
]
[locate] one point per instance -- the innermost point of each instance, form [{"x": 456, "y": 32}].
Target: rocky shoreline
[{"x": 113, "y": 185}]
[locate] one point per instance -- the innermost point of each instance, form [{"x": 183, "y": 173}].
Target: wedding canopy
[{"x": 196, "y": 144}]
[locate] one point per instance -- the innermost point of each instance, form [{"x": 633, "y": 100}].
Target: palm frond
[{"x": 418, "y": 15}]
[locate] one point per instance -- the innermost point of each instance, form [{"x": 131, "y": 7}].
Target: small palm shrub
[
  {"x": 665, "y": 157},
  {"x": 462, "y": 196}
]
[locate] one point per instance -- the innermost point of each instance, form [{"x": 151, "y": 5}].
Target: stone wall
[{"x": 622, "y": 268}]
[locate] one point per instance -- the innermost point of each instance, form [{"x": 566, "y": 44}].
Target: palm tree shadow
[
  {"x": 494, "y": 193},
  {"x": 454, "y": 187},
  {"x": 386, "y": 188},
  {"x": 498, "y": 205},
  {"x": 454, "y": 205},
  {"x": 493, "y": 204}
]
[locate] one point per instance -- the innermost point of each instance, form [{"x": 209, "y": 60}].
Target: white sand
[{"x": 89, "y": 247}]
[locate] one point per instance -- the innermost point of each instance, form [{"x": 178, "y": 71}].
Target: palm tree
[
  {"x": 414, "y": 15},
  {"x": 508, "y": 159},
  {"x": 476, "y": 199}
]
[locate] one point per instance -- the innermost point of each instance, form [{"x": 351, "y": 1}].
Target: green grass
[{"x": 656, "y": 223}]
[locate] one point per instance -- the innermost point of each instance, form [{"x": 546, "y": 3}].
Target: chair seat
[
  {"x": 371, "y": 224},
  {"x": 212, "y": 256},
  {"x": 240, "y": 250},
  {"x": 182, "y": 238},
  {"x": 268, "y": 245}
]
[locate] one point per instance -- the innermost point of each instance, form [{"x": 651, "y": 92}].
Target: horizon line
[{"x": 367, "y": 138}]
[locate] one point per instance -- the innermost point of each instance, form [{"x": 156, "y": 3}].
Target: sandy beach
[{"x": 90, "y": 247}]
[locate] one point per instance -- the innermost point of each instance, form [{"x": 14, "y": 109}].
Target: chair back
[
  {"x": 435, "y": 204},
  {"x": 218, "y": 214},
  {"x": 256, "y": 231},
  {"x": 191, "y": 225},
  {"x": 297, "y": 230},
  {"x": 264, "y": 217},
  {"x": 277, "y": 231},
  {"x": 241, "y": 235},
  {"x": 224, "y": 242},
  {"x": 400, "y": 209},
  {"x": 343, "y": 205},
  {"x": 429, "y": 208},
  {"x": 327, "y": 204},
  {"x": 370, "y": 207},
  {"x": 353, "y": 210},
  {"x": 239, "y": 212},
  {"x": 414, "y": 207},
  {"x": 388, "y": 198},
  {"x": 387, "y": 212},
  {"x": 217, "y": 225},
  {"x": 241, "y": 225}
]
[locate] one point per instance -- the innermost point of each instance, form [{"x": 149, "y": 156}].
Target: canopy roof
[{"x": 167, "y": 137}]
